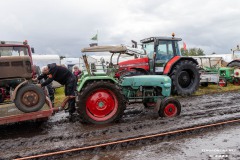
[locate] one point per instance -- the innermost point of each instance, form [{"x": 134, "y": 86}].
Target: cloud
[{"x": 65, "y": 26}]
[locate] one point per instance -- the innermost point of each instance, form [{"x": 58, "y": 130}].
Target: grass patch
[
  {"x": 213, "y": 88},
  {"x": 59, "y": 96}
]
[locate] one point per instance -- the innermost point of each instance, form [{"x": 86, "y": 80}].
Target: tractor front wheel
[
  {"x": 101, "y": 102},
  {"x": 170, "y": 107},
  {"x": 222, "y": 82}
]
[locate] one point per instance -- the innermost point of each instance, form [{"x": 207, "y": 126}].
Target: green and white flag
[{"x": 95, "y": 38}]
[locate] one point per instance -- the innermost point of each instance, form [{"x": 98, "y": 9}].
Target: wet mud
[{"x": 60, "y": 132}]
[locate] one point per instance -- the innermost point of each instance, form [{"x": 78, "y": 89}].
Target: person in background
[
  {"x": 63, "y": 76},
  {"x": 76, "y": 71}
]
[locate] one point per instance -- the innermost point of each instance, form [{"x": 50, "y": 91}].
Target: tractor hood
[{"x": 115, "y": 49}]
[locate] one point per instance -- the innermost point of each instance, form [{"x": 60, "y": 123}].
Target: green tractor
[
  {"x": 102, "y": 98},
  {"x": 229, "y": 74}
]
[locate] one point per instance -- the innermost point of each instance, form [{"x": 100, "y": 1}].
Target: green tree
[
  {"x": 200, "y": 52},
  {"x": 184, "y": 52},
  {"x": 192, "y": 52}
]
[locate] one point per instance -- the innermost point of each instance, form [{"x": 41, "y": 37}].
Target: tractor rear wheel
[
  {"x": 101, "y": 102},
  {"x": 170, "y": 107},
  {"x": 29, "y": 98},
  {"x": 185, "y": 78}
]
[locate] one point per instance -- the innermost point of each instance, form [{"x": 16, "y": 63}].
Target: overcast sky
[{"x": 65, "y": 26}]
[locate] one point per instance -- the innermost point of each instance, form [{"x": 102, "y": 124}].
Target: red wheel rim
[
  {"x": 101, "y": 105},
  {"x": 221, "y": 83},
  {"x": 170, "y": 110}
]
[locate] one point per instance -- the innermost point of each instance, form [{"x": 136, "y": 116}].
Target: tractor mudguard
[
  {"x": 171, "y": 63},
  {"x": 161, "y": 81},
  {"x": 234, "y": 63},
  {"x": 85, "y": 79}
]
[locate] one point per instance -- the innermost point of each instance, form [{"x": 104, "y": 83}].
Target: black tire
[
  {"x": 185, "y": 78},
  {"x": 234, "y": 64},
  {"x": 222, "y": 82},
  {"x": 204, "y": 84},
  {"x": 24, "y": 100},
  {"x": 170, "y": 107},
  {"x": 101, "y": 88}
]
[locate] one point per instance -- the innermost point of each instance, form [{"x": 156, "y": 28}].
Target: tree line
[{"x": 192, "y": 52}]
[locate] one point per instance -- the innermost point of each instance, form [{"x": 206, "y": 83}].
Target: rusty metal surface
[
  {"x": 16, "y": 89},
  {"x": 9, "y": 113},
  {"x": 30, "y": 98},
  {"x": 15, "y": 66}
]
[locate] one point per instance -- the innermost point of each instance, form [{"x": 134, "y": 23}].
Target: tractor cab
[{"x": 160, "y": 50}]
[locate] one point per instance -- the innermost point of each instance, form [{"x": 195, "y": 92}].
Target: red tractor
[{"x": 163, "y": 57}]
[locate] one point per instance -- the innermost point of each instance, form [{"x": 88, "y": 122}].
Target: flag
[
  {"x": 184, "y": 46},
  {"x": 95, "y": 38}
]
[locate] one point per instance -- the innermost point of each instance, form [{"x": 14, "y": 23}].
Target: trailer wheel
[
  {"x": 101, "y": 102},
  {"x": 185, "y": 78},
  {"x": 222, "y": 82},
  {"x": 170, "y": 107},
  {"x": 29, "y": 98}
]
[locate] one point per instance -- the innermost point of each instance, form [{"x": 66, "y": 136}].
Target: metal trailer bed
[{"x": 9, "y": 113}]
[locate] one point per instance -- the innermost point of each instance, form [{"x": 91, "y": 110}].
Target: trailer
[{"x": 9, "y": 113}]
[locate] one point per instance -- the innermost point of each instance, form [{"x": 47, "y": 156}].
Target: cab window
[
  {"x": 164, "y": 50},
  {"x": 13, "y": 51}
]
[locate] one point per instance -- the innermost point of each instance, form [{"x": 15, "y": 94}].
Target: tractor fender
[
  {"x": 141, "y": 70},
  {"x": 234, "y": 61},
  {"x": 90, "y": 79},
  {"x": 172, "y": 62},
  {"x": 13, "y": 96}
]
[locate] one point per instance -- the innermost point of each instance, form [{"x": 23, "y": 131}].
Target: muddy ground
[{"x": 58, "y": 133}]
